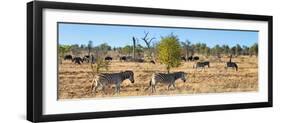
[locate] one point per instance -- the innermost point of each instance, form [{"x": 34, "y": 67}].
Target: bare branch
[
  {"x": 145, "y": 36},
  {"x": 147, "y": 40},
  {"x": 151, "y": 39}
]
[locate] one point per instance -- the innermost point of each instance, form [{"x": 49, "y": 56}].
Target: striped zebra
[
  {"x": 232, "y": 65},
  {"x": 168, "y": 79},
  {"x": 201, "y": 64},
  {"x": 116, "y": 79}
]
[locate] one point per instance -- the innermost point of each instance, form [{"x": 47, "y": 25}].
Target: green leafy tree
[
  {"x": 186, "y": 46},
  {"x": 245, "y": 50},
  {"x": 217, "y": 50},
  {"x": 254, "y": 49},
  {"x": 127, "y": 49},
  {"x": 203, "y": 48},
  {"x": 104, "y": 47},
  {"x": 225, "y": 49},
  {"x": 75, "y": 49},
  {"x": 207, "y": 51},
  {"x": 63, "y": 49},
  {"x": 83, "y": 46},
  {"x": 233, "y": 50},
  {"x": 139, "y": 50},
  {"x": 238, "y": 49},
  {"x": 169, "y": 51}
]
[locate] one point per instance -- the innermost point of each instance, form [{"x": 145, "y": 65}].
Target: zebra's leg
[
  {"x": 103, "y": 89},
  {"x": 169, "y": 86},
  {"x": 153, "y": 84},
  {"x": 93, "y": 85},
  {"x": 117, "y": 89},
  {"x": 153, "y": 89},
  {"x": 97, "y": 84},
  {"x": 174, "y": 85}
]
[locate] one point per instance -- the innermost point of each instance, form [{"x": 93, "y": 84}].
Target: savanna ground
[{"x": 75, "y": 80}]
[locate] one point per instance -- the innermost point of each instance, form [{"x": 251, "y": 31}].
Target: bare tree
[
  {"x": 148, "y": 41},
  {"x": 134, "y": 48}
]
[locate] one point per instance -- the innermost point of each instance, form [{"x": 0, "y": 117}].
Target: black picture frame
[{"x": 35, "y": 69}]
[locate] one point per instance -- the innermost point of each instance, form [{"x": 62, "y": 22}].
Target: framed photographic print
[{"x": 95, "y": 61}]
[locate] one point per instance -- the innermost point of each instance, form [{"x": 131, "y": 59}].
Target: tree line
[
  {"x": 203, "y": 49},
  {"x": 188, "y": 49}
]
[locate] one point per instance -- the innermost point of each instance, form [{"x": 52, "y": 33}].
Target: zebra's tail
[{"x": 236, "y": 66}]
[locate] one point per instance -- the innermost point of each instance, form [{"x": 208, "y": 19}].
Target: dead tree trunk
[{"x": 134, "y": 48}]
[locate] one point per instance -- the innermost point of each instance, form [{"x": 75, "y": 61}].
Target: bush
[{"x": 169, "y": 51}]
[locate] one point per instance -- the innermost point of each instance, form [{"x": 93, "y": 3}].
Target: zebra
[
  {"x": 116, "y": 79},
  {"x": 232, "y": 65},
  {"x": 169, "y": 79},
  {"x": 202, "y": 64}
]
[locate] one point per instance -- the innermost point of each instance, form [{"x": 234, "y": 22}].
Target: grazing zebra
[
  {"x": 116, "y": 79},
  {"x": 207, "y": 63},
  {"x": 232, "y": 65},
  {"x": 202, "y": 64},
  {"x": 169, "y": 79}
]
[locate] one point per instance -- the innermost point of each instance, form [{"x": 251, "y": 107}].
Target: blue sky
[{"x": 116, "y": 35}]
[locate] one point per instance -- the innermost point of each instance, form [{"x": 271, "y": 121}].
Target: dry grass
[{"x": 75, "y": 80}]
